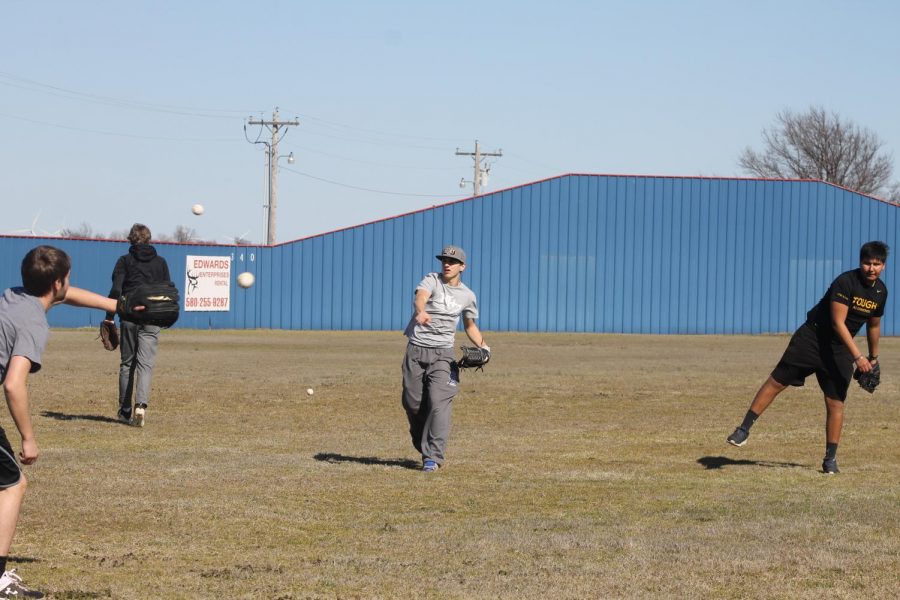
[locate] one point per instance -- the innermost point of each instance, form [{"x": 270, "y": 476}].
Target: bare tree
[
  {"x": 893, "y": 192},
  {"x": 82, "y": 231},
  {"x": 183, "y": 233},
  {"x": 821, "y": 145}
]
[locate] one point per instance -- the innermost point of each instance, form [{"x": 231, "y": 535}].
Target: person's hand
[
  {"x": 29, "y": 452},
  {"x": 862, "y": 363},
  {"x": 423, "y": 318}
]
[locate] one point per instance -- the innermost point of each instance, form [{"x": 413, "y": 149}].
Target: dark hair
[
  {"x": 140, "y": 234},
  {"x": 42, "y": 267},
  {"x": 876, "y": 250}
]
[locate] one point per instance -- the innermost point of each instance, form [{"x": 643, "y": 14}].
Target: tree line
[{"x": 181, "y": 234}]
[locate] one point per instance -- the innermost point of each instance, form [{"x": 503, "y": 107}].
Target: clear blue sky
[{"x": 114, "y": 112}]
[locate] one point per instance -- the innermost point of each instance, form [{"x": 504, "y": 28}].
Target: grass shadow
[
  {"x": 717, "y": 462},
  {"x": 405, "y": 463},
  {"x": 22, "y": 560},
  {"x": 67, "y": 417}
]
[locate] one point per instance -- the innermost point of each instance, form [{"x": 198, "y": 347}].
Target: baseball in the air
[
  {"x": 245, "y": 279},
  {"x": 197, "y": 209},
  {"x": 309, "y": 391}
]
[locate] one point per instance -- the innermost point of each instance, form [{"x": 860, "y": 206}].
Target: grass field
[{"x": 580, "y": 466}]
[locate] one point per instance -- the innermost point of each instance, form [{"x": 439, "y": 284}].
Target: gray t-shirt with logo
[
  {"x": 446, "y": 304},
  {"x": 24, "y": 330}
]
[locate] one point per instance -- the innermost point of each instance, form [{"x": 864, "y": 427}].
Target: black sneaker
[
  {"x": 739, "y": 437},
  {"x": 829, "y": 466},
  {"x": 124, "y": 416},
  {"x": 11, "y": 586}
]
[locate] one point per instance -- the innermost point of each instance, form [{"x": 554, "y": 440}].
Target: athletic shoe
[
  {"x": 829, "y": 466},
  {"x": 124, "y": 416},
  {"x": 739, "y": 437},
  {"x": 11, "y": 586},
  {"x": 139, "y": 412},
  {"x": 429, "y": 466}
]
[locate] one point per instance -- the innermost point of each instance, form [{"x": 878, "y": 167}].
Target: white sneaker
[
  {"x": 11, "y": 586},
  {"x": 138, "y": 419}
]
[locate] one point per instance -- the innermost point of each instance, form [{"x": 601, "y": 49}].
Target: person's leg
[
  {"x": 413, "y": 399},
  {"x": 834, "y": 420},
  {"x": 443, "y": 385},
  {"x": 12, "y": 492},
  {"x": 834, "y": 380},
  {"x": 148, "y": 342},
  {"x": 127, "y": 349},
  {"x": 766, "y": 395},
  {"x": 10, "y": 504},
  {"x": 801, "y": 359}
]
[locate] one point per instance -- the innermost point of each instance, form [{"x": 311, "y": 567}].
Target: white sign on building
[{"x": 207, "y": 283}]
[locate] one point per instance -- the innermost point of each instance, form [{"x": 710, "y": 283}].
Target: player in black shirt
[{"x": 824, "y": 345}]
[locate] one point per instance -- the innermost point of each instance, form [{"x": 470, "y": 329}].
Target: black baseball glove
[
  {"x": 150, "y": 304},
  {"x": 109, "y": 335},
  {"x": 473, "y": 357},
  {"x": 869, "y": 381}
]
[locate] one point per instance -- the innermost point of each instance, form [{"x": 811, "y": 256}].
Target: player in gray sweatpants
[{"x": 430, "y": 375}]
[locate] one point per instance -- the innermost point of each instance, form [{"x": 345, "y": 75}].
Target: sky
[{"x": 119, "y": 112}]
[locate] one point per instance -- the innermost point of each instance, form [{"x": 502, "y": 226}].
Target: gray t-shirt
[
  {"x": 23, "y": 329},
  {"x": 446, "y": 304}
]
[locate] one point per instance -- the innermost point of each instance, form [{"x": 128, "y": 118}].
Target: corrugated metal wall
[{"x": 575, "y": 253}]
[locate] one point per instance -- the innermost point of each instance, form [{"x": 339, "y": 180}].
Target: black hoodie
[{"x": 141, "y": 265}]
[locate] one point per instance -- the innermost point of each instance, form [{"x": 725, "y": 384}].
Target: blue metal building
[{"x": 579, "y": 253}]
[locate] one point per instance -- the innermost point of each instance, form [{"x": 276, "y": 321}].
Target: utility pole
[
  {"x": 481, "y": 172},
  {"x": 278, "y": 130}
]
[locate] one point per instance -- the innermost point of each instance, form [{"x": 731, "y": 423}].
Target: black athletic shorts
[
  {"x": 10, "y": 474},
  {"x": 811, "y": 352}
]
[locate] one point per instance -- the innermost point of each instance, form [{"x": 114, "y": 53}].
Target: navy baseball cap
[{"x": 452, "y": 252}]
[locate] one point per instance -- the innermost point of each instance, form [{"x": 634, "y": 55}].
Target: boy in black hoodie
[{"x": 138, "y": 342}]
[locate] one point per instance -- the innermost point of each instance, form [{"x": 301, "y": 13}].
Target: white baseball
[
  {"x": 197, "y": 209},
  {"x": 245, "y": 279},
  {"x": 309, "y": 391}
]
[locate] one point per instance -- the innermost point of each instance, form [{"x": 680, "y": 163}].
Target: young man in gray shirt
[
  {"x": 430, "y": 374},
  {"x": 23, "y": 336}
]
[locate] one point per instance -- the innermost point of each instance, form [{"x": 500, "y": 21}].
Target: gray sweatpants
[
  {"x": 138, "y": 352},
  {"x": 430, "y": 382}
]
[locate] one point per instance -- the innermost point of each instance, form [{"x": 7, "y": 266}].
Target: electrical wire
[
  {"x": 337, "y": 125},
  {"x": 30, "y": 84},
  {"x": 365, "y": 189},
  {"x": 115, "y": 133},
  {"x": 366, "y": 162}
]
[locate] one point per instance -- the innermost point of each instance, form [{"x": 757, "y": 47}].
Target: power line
[
  {"x": 365, "y": 189},
  {"x": 368, "y": 162},
  {"x": 115, "y": 133},
  {"x": 336, "y": 125},
  {"x": 29, "y": 84},
  {"x": 24, "y": 83}
]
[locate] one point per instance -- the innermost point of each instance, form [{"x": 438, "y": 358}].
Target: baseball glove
[
  {"x": 473, "y": 357},
  {"x": 150, "y": 304},
  {"x": 869, "y": 381},
  {"x": 109, "y": 335}
]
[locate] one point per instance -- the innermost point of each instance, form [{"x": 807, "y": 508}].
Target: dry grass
[{"x": 581, "y": 466}]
